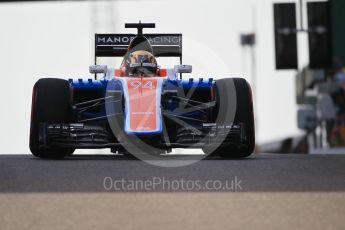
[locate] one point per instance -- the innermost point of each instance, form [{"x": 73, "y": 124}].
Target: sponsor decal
[
  {"x": 125, "y": 39},
  {"x": 114, "y": 40}
]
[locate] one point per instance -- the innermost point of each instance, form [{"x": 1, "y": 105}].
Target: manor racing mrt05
[{"x": 141, "y": 107}]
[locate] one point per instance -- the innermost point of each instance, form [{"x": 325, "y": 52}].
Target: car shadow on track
[{"x": 128, "y": 157}]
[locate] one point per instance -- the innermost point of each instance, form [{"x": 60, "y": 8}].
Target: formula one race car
[{"x": 141, "y": 107}]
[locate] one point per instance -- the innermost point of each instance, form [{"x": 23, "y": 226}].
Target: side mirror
[
  {"x": 98, "y": 69},
  {"x": 183, "y": 68}
]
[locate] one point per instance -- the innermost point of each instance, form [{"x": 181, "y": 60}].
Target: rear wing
[{"x": 115, "y": 45}]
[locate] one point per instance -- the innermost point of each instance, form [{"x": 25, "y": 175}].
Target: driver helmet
[{"x": 141, "y": 62}]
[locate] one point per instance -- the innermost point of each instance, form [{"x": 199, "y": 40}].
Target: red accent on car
[
  {"x": 118, "y": 72},
  {"x": 162, "y": 72},
  {"x": 142, "y": 101}
]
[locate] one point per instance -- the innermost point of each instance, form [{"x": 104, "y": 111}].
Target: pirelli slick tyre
[
  {"x": 51, "y": 103},
  {"x": 225, "y": 113}
]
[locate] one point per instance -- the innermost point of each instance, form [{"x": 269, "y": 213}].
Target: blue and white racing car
[{"x": 140, "y": 106}]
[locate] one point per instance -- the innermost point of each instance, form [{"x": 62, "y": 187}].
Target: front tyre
[
  {"x": 225, "y": 114},
  {"x": 51, "y": 103}
]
